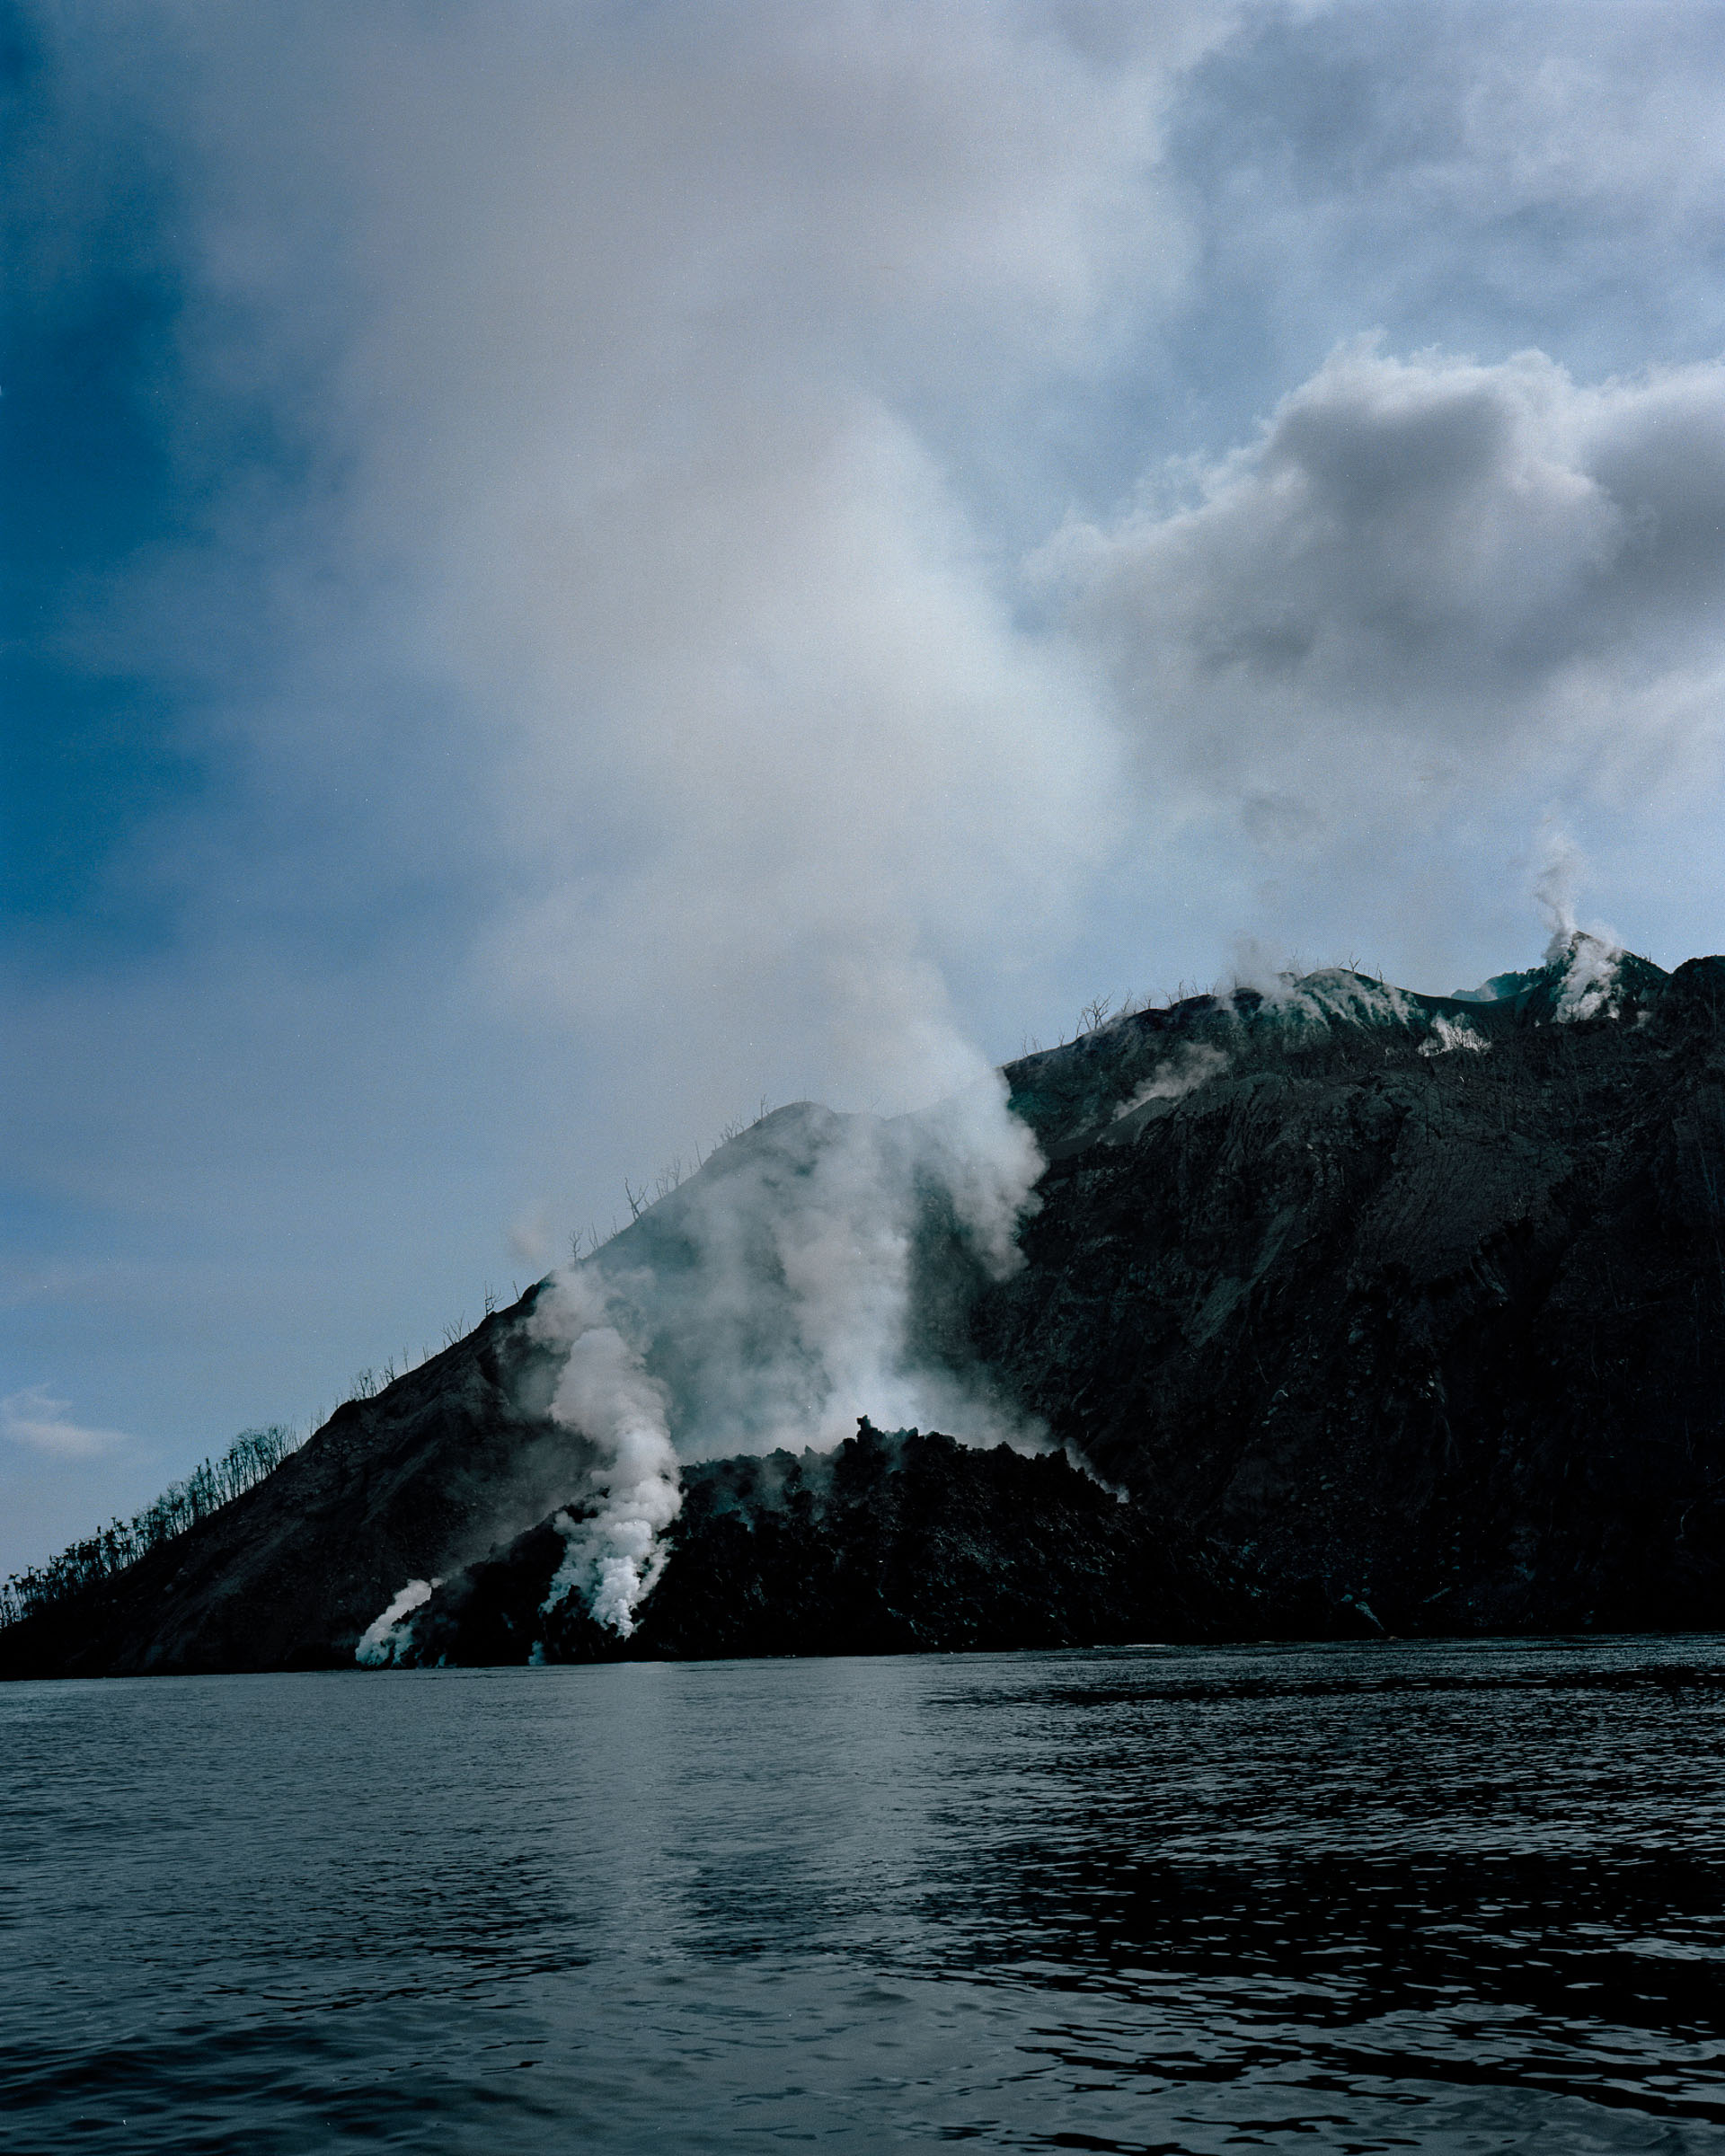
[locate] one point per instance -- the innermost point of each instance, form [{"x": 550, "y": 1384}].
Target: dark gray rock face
[
  {"x": 1386, "y": 1312},
  {"x": 1441, "y": 1334},
  {"x": 893, "y": 1544}
]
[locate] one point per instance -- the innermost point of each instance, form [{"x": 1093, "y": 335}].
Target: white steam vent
[
  {"x": 1449, "y": 1035},
  {"x": 614, "y": 1556},
  {"x": 384, "y": 1638},
  {"x": 1590, "y": 976},
  {"x": 777, "y": 1305},
  {"x": 782, "y": 1279}
]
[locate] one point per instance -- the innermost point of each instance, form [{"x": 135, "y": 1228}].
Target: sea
[{"x": 1339, "y": 1897}]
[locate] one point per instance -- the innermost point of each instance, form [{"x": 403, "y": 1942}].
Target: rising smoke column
[
  {"x": 1190, "y": 1065},
  {"x": 613, "y": 1554},
  {"x": 781, "y": 1302},
  {"x": 792, "y": 1321},
  {"x": 846, "y": 1248},
  {"x": 1587, "y": 958},
  {"x": 988, "y": 1161}
]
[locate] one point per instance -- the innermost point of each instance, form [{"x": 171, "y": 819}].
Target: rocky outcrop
[
  {"x": 1380, "y": 1311},
  {"x": 894, "y": 1542}
]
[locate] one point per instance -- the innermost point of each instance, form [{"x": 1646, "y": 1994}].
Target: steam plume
[
  {"x": 383, "y": 1640},
  {"x": 785, "y": 1288},
  {"x": 1448, "y": 1035},
  {"x": 614, "y": 1555},
  {"x": 1588, "y": 955},
  {"x": 1176, "y": 1075}
]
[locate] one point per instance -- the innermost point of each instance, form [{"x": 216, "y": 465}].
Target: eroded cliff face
[{"x": 1386, "y": 1311}]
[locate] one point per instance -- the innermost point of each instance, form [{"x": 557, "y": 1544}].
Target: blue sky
[{"x": 570, "y": 570}]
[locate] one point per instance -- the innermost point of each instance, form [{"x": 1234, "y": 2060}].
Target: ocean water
[{"x": 1351, "y": 1898}]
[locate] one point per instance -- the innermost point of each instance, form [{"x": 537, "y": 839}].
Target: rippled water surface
[{"x": 1442, "y": 1897}]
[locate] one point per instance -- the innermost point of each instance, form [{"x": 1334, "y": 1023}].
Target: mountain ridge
[{"x": 1383, "y": 1310}]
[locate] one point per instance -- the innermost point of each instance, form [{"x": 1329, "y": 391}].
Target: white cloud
[
  {"x": 1428, "y": 583},
  {"x": 1480, "y": 176},
  {"x": 37, "y": 1419}
]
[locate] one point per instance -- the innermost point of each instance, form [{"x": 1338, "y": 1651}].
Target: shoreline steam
[{"x": 614, "y": 1553}]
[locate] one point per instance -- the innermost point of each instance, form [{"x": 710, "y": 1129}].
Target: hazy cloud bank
[{"x": 37, "y": 1417}]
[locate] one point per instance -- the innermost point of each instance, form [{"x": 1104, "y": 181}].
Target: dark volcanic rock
[
  {"x": 892, "y": 1543},
  {"x": 1441, "y": 1334},
  {"x": 1388, "y": 1312}
]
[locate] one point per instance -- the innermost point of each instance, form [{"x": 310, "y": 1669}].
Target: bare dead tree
[{"x": 1095, "y": 1013}]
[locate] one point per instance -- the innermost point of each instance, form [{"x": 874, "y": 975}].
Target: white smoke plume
[
  {"x": 774, "y": 1296},
  {"x": 1313, "y": 1002},
  {"x": 1449, "y": 1035},
  {"x": 1590, "y": 977},
  {"x": 614, "y": 1553},
  {"x": 1182, "y": 1073},
  {"x": 1589, "y": 957},
  {"x": 383, "y": 1640},
  {"x": 785, "y": 1286},
  {"x": 988, "y": 1162}
]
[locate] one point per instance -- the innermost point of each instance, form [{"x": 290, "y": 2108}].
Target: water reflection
[{"x": 1337, "y": 1897}]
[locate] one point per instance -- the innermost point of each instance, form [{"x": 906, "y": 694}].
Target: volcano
[{"x": 1334, "y": 1310}]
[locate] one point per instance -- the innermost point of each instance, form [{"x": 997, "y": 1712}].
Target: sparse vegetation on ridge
[{"x": 210, "y": 1485}]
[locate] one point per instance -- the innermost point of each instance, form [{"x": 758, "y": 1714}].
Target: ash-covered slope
[
  {"x": 1388, "y": 1310},
  {"x": 423, "y": 1478}
]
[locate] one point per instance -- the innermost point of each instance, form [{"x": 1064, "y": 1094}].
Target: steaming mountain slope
[
  {"x": 1387, "y": 1310},
  {"x": 889, "y": 1543},
  {"x": 422, "y": 1478}
]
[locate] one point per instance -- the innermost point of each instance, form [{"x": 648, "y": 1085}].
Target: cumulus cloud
[
  {"x": 1474, "y": 176},
  {"x": 37, "y": 1417},
  {"x": 1430, "y": 580}
]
